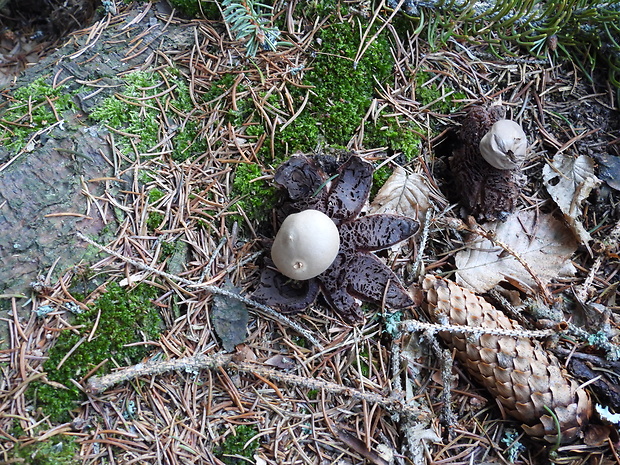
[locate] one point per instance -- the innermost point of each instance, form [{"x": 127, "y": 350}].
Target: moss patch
[
  {"x": 124, "y": 317},
  {"x": 32, "y": 108},
  {"x": 59, "y": 450},
  {"x": 197, "y": 8},
  {"x": 342, "y": 92},
  {"x": 428, "y": 92},
  {"x": 235, "y": 444},
  {"x": 255, "y": 197},
  {"x": 149, "y": 104}
]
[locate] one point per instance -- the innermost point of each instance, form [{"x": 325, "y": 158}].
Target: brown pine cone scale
[{"x": 524, "y": 377}]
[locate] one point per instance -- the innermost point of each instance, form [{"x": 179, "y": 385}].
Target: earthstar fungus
[
  {"x": 486, "y": 163},
  {"x": 306, "y": 245},
  {"x": 356, "y": 274},
  {"x": 505, "y": 145}
]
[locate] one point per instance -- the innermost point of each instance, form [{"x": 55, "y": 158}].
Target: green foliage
[
  {"x": 256, "y": 198},
  {"x": 583, "y": 28},
  {"x": 313, "y": 9},
  {"x": 379, "y": 176},
  {"x": 154, "y": 220},
  {"x": 399, "y": 137},
  {"x": 155, "y": 195},
  {"x": 362, "y": 364},
  {"x": 31, "y": 109},
  {"x": 219, "y": 87},
  {"x": 343, "y": 92},
  {"x": 340, "y": 97},
  {"x": 247, "y": 21},
  {"x": 59, "y": 450},
  {"x": 235, "y": 444},
  {"x": 124, "y": 317},
  {"x": 139, "y": 112}
]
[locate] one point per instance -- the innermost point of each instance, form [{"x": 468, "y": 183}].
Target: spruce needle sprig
[{"x": 250, "y": 20}]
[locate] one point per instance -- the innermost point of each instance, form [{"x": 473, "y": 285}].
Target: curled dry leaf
[
  {"x": 569, "y": 182},
  {"x": 543, "y": 242},
  {"x": 403, "y": 194}
]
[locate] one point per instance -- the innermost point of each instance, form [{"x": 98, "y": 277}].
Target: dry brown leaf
[
  {"x": 543, "y": 242},
  {"x": 569, "y": 182},
  {"x": 404, "y": 194}
]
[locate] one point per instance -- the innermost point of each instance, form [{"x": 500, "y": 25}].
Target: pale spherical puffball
[
  {"x": 505, "y": 145},
  {"x": 306, "y": 245}
]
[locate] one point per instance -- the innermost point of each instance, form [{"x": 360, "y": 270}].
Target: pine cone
[{"x": 521, "y": 375}]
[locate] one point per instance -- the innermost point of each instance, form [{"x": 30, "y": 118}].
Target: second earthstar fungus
[{"x": 356, "y": 274}]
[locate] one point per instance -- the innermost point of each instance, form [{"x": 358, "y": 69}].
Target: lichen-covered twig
[
  {"x": 98, "y": 384},
  {"x": 212, "y": 289},
  {"x": 476, "y": 331}
]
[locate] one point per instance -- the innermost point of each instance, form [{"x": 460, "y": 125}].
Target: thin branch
[
  {"x": 414, "y": 325},
  {"x": 213, "y": 290},
  {"x": 98, "y": 384}
]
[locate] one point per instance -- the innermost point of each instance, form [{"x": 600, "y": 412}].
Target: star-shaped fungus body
[{"x": 356, "y": 274}]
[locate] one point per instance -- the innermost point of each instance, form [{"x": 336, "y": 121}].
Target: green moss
[
  {"x": 429, "y": 93},
  {"x": 235, "y": 444},
  {"x": 343, "y": 92},
  {"x": 59, "y": 450},
  {"x": 33, "y": 107},
  {"x": 219, "y": 87},
  {"x": 155, "y": 195},
  {"x": 125, "y": 317},
  {"x": 313, "y": 9},
  {"x": 197, "y": 8},
  {"x": 398, "y": 137},
  {"x": 139, "y": 112},
  {"x": 154, "y": 220},
  {"x": 379, "y": 177},
  {"x": 256, "y": 198},
  {"x": 362, "y": 365},
  {"x": 338, "y": 101}
]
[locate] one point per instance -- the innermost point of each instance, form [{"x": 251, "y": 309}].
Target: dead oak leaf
[
  {"x": 569, "y": 182},
  {"x": 404, "y": 194},
  {"x": 543, "y": 242}
]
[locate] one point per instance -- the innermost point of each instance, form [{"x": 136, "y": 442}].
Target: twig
[
  {"x": 414, "y": 325},
  {"x": 98, "y": 384},
  {"x": 417, "y": 265},
  {"x": 212, "y": 289}
]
